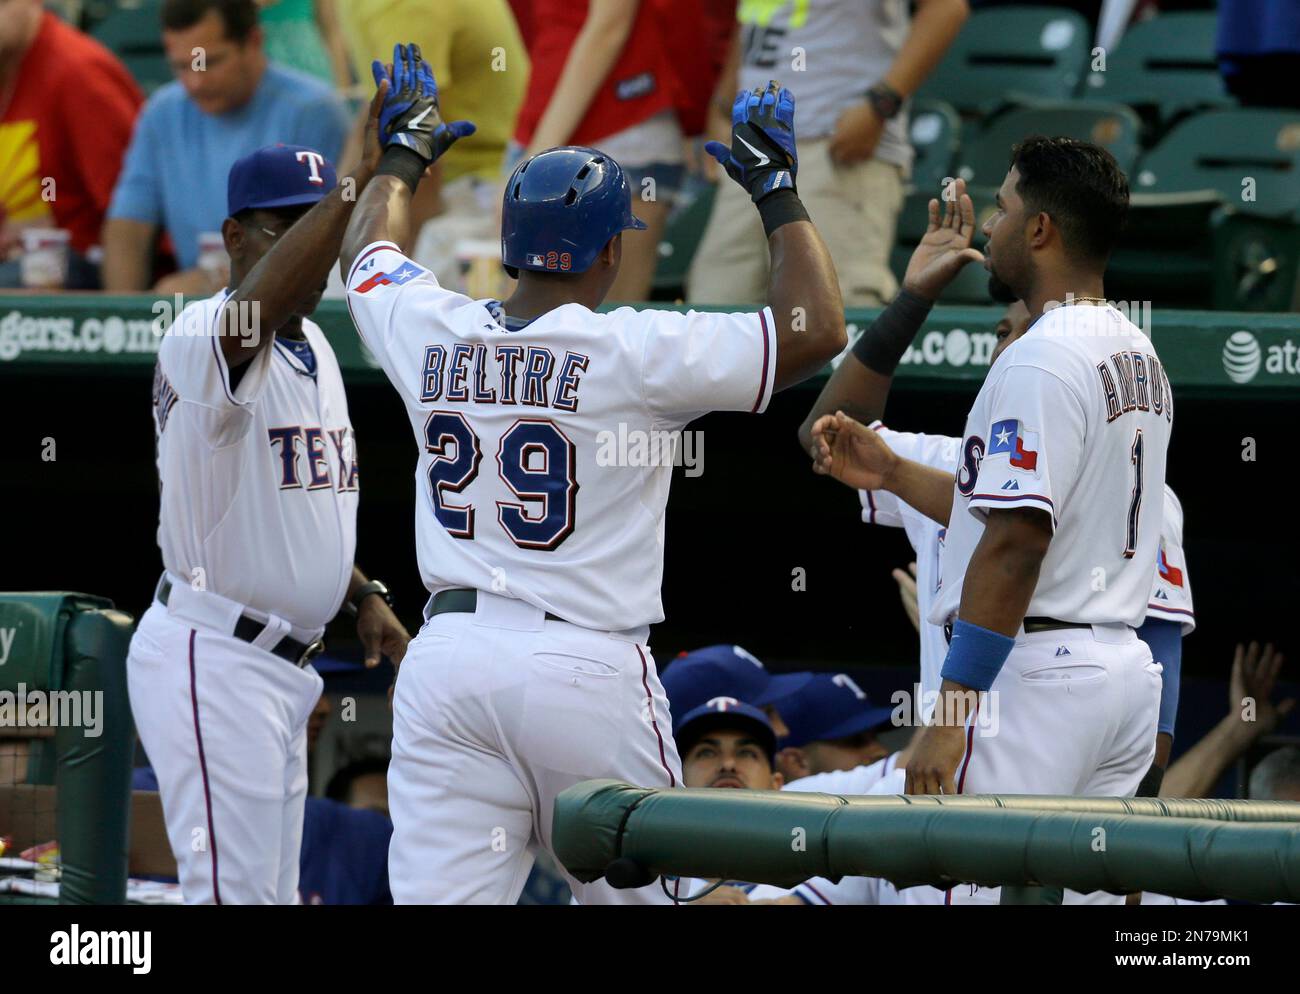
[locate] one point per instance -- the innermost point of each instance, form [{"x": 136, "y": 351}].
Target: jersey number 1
[
  {"x": 1135, "y": 503},
  {"x": 534, "y": 458}
]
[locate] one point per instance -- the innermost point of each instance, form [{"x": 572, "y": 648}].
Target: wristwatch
[
  {"x": 364, "y": 591},
  {"x": 885, "y": 100}
]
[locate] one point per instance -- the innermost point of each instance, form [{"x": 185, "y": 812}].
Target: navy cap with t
[
  {"x": 725, "y": 712},
  {"x": 830, "y": 706},
  {"x": 278, "y": 176},
  {"x": 694, "y": 678}
]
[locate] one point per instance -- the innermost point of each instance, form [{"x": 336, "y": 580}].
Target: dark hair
[
  {"x": 1082, "y": 188},
  {"x": 239, "y": 16},
  {"x": 339, "y": 787}
]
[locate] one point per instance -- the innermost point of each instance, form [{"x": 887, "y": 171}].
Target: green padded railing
[{"x": 1194, "y": 849}]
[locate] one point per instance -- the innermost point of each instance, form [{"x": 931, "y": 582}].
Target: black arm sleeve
[{"x": 882, "y": 345}]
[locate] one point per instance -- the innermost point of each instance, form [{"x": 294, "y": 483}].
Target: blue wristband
[
  {"x": 1165, "y": 640},
  {"x": 975, "y": 655}
]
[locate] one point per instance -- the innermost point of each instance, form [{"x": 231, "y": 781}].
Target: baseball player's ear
[{"x": 232, "y": 233}]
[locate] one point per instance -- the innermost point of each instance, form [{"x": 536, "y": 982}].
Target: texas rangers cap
[
  {"x": 725, "y": 712},
  {"x": 829, "y": 706},
  {"x": 278, "y": 176},
  {"x": 693, "y": 678}
]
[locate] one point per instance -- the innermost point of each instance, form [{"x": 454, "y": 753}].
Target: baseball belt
[
  {"x": 463, "y": 601},
  {"x": 1032, "y": 625},
  {"x": 248, "y": 629}
]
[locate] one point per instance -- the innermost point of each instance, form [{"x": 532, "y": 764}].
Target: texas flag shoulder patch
[
  {"x": 398, "y": 277},
  {"x": 1013, "y": 438}
]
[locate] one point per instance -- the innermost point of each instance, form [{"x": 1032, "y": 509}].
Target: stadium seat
[
  {"x": 1011, "y": 55},
  {"x": 685, "y": 228},
  {"x": 1256, "y": 263},
  {"x": 133, "y": 33},
  {"x": 1166, "y": 64},
  {"x": 1251, "y": 157},
  {"x": 982, "y": 163},
  {"x": 935, "y": 132}
]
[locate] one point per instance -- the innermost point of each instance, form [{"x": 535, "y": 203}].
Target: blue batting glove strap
[{"x": 975, "y": 655}]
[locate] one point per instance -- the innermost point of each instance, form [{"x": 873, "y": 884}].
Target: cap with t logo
[{"x": 278, "y": 176}]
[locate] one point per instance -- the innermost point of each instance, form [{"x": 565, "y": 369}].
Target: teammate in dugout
[
  {"x": 531, "y": 672},
  {"x": 1047, "y": 574},
  {"x": 259, "y": 490}
]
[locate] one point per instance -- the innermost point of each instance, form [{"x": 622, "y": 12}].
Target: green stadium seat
[
  {"x": 1011, "y": 55},
  {"x": 935, "y": 133},
  {"x": 982, "y": 163},
  {"x": 1256, "y": 263},
  {"x": 1166, "y": 64},
  {"x": 133, "y": 33},
  {"x": 1250, "y": 157},
  {"x": 682, "y": 235}
]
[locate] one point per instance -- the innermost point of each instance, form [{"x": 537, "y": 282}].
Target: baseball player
[
  {"x": 543, "y": 556},
  {"x": 257, "y": 529},
  {"x": 727, "y": 744},
  {"x": 694, "y": 678},
  {"x": 831, "y": 725},
  {"x": 1046, "y": 557}
]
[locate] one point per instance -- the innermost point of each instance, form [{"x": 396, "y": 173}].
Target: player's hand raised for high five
[
  {"x": 1254, "y": 674},
  {"x": 851, "y": 452},
  {"x": 410, "y": 116},
  {"x": 946, "y": 247}
]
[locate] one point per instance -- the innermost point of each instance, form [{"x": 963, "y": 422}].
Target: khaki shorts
[{"x": 854, "y": 207}]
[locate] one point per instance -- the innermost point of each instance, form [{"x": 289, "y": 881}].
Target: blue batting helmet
[{"x": 561, "y": 208}]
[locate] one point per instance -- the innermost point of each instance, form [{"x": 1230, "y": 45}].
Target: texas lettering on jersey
[{"x": 295, "y": 444}]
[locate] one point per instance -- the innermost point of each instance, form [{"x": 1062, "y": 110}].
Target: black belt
[
  {"x": 463, "y": 601},
  {"x": 247, "y": 629},
  {"x": 1032, "y": 625}
]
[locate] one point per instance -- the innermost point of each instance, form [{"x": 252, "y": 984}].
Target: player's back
[
  {"x": 547, "y": 446},
  {"x": 1075, "y": 420}
]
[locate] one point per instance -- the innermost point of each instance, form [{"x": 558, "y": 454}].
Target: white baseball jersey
[
  {"x": 880, "y": 507},
  {"x": 259, "y": 481},
  {"x": 859, "y": 780},
  {"x": 546, "y": 451},
  {"x": 1171, "y": 590},
  {"x": 1074, "y": 419}
]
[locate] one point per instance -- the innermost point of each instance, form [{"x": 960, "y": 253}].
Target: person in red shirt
[
  {"x": 67, "y": 107},
  {"x": 601, "y": 77}
]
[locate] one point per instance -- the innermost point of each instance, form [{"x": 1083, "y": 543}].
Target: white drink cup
[{"x": 45, "y": 259}]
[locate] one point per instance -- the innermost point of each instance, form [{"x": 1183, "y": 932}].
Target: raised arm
[
  {"x": 861, "y": 383},
  {"x": 413, "y": 136},
  {"x": 803, "y": 290},
  {"x": 859, "y": 458},
  {"x": 299, "y": 261}
]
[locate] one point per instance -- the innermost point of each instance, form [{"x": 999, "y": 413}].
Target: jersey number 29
[{"x": 534, "y": 458}]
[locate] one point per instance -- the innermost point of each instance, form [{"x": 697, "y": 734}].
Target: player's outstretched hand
[
  {"x": 1254, "y": 674},
  {"x": 851, "y": 452},
  {"x": 410, "y": 115},
  {"x": 381, "y": 633},
  {"x": 946, "y": 246},
  {"x": 371, "y": 147},
  {"x": 762, "y": 157}
]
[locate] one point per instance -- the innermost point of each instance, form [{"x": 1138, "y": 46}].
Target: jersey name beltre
[{"x": 511, "y": 374}]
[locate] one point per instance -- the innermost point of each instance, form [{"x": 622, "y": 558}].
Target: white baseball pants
[
  {"x": 494, "y": 714},
  {"x": 225, "y": 727}
]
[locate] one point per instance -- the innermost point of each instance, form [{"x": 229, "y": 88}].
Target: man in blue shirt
[{"x": 227, "y": 101}]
